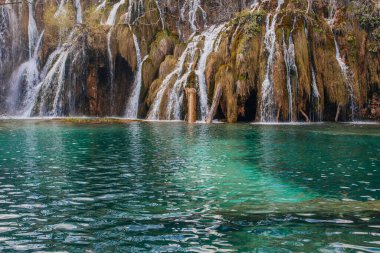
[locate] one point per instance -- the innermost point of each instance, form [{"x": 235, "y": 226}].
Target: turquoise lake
[{"x": 173, "y": 187}]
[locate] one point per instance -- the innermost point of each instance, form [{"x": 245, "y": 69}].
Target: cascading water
[
  {"x": 135, "y": 7},
  {"x": 32, "y": 30},
  {"x": 182, "y": 71},
  {"x": 173, "y": 108},
  {"x": 267, "y": 108},
  {"x": 25, "y": 79},
  {"x": 191, "y": 8},
  {"x": 9, "y": 32},
  {"x": 291, "y": 69},
  {"x": 61, "y": 9},
  {"x": 111, "y": 20},
  {"x": 210, "y": 37},
  {"x": 50, "y": 96},
  {"x": 78, "y": 7},
  {"x": 23, "y": 84},
  {"x": 112, "y": 16},
  {"x": 347, "y": 78},
  {"x": 101, "y": 6},
  {"x": 344, "y": 68},
  {"x": 134, "y": 99},
  {"x": 154, "y": 112}
]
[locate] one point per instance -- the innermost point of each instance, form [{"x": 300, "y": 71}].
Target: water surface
[{"x": 172, "y": 187}]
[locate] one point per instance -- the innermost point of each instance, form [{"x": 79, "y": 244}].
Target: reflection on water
[{"x": 171, "y": 187}]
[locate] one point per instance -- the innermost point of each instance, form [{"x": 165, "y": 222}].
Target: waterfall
[
  {"x": 101, "y": 6},
  {"x": 9, "y": 38},
  {"x": 173, "y": 108},
  {"x": 210, "y": 38},
  {"x": 134, "y": 7},
  {"x": 267, "y": 90},
  {"x": 23, "y": 84},
  {"x": 186, "y": 64},
  {"x": 291, "y": 68},
  {"x": 78, "y": 7},
  {"x": 154, "y": 112},
  {"x": 25, "y": 78},
  {"x": 191, "y": 7},
  {"x": 48, "y": 98},
  {"x": 347, "y": 78},
  {"x": 343, "y": 67},
  {"x": 133, "y": 102},
  {"x": 61, "y": 9},
  {"x": 32, "y": 30},
  {"x": 110, "y": 62},
  {"x": 112, "y": 16},
  {"x": 111, "y": 20}
]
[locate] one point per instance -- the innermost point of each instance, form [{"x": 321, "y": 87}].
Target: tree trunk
[{"x": 191, "y": 105}]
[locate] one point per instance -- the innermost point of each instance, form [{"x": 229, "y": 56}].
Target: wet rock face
[{"x": 322, "y": 55}]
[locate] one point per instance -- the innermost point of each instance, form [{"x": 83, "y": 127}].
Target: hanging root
[
  {"x": 214, "y": 106},
  {"x": 305, "y": 115}
]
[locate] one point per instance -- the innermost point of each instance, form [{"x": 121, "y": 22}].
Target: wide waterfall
[
  {"x": 269, "y": 61},
  {"x": 267, "y": 106}
]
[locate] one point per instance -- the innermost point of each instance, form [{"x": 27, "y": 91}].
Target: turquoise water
[{"x": 172, "y": 187}]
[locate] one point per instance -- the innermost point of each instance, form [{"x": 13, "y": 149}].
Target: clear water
[{"x": 172, "y": 187}]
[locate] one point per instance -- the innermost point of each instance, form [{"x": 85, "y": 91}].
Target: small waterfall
[
  {"x": 61, "y": 9},
  {"x": 347, "y": 78},
  {"x": 101, "y": 6},
  {"x": 78, "y": 7},
  {"x": 111, "y": 20},
  {"x": 134, "y": 99},
  {"x": 49, "y": 95},
  {"x": 23, "y": 85},
  {"x": 9, "y": 38},
  {"x": 173, "y": 109},
  {"x": 154, "y": 112},
  {"x": 112, "y": 16},
  {"x": 343, "y": 67},
  {"x": 291, "y": 69},
  {"x": 267, "y": 90},
  {"x": 186, "y": 64},
  {"x": 25, "y": 78},
  {"x": 191, "y": 8},
  {"x": 210, "y": 39},
  {"x": 110, "y": 62},
  {"x": 32, "y": 30},
  {"x": 135, "y": 7}
]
